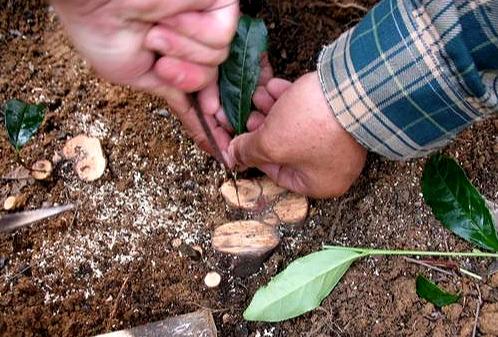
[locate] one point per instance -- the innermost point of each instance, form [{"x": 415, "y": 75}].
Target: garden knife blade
[{"x": 9, "y": 222}]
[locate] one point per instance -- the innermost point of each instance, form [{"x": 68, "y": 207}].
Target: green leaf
[
  {"x": 432, "y": 293},
  {"x": 239, "y": 74},
  {"x": 22, "y": 120},
  {"x": 301, "y": 287},
  {"x": 456, "y": 202}
]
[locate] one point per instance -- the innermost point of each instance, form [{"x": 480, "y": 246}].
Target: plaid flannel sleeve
[{"x": 412, "y": 74}]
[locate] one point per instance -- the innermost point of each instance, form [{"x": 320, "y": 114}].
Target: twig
[
  {"x": 19, "y": 273},
  {"x": 429, "y": 266},
  {"x": 478, "y": 309},
  {"x": 120, "y": 293},
  {"x": 207, "y": 308},
  {"x": 471, "y": 274},
  {"x": 340, "y": 5}
]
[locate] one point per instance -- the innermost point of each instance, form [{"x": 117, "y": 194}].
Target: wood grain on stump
[
  {"x": 249, "y": 194},
  {"x": 292, "y": 208},
  {"x": 270, "y": 190},
  {"x": 42, "y": 169},
  {"x": 88, "y": 156},
  {"x": 248, "y": 242}
]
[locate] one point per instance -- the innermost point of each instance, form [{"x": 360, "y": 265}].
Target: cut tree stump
[
  {"x": 270, "y": 190},
  {"x": 268, "y": 199},
  {"x": 42, "y": 169},
  {"x": 248, "y": 243},
  {"x": 249, "y": 194},
  {"x": 14, "y": 202},
  {"x": 196, "y": 324},
  {"x": 292, "y": 208},
  {"x": 88, "y": 156}
]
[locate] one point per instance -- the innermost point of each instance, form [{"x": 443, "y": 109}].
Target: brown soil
[{"x": 62, "y": 277}]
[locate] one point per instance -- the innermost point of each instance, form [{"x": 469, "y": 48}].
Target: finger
[
  {"x": 182, "y": 108},
  {"x": 263, "y": 100},
  {"x": 256, "y": 119},
  {"x": 249, "y": 149},
  {"x": 285, "y": 177},
  {"x": 176, "y": 99},
  {"x": 186, "y": 76},
  {"x": 220, "y": 136},
  {"x": 167, "y": 42},
  {"x": 195, "y": 130},
  {"x": 277, "y": 86},
  {"x": 214, "y": 28},
  {"x": 154, "y": 10},
  {"x": 222, "y": 120},
  {"x": 266, "y": 70},
  {"x": 209, "y": 99}
]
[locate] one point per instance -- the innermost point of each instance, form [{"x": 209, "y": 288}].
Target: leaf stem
[
  {"x": 471, "y": 274},
  {"x": 368, "y": 251}
]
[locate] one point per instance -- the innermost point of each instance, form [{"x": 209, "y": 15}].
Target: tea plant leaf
[
  {"x": 456, "y": 202},
  {"x": 432, "y": 293},
  {"x": 302, "y": 286},
  {"x": 22, "y": 120},
  {"x": 239, "y": 74}
]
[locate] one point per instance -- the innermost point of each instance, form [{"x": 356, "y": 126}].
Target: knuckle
[{"x": 270, "y": 149}]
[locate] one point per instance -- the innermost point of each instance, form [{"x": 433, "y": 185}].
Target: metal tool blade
[
  {"x": 10, "y": 222},
  {"x": 212, "y": 141}
]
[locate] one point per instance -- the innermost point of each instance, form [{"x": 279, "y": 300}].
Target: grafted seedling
[{"x": 22, "y": 121}]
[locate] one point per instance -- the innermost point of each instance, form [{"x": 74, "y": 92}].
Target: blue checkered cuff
[{"x": 412, "y": 74}]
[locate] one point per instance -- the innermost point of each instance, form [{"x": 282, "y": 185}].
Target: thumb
[{"x": 249, "y": 150}]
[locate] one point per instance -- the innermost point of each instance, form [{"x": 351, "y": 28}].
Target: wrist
[{"x": 340, "y": 129}]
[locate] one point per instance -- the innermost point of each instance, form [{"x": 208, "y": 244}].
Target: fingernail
[
  {"x": 179, "y": 78},
  {"x": 172, "y": 72}
]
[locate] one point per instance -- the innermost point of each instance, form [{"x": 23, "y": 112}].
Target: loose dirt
[{"x": 111, "y": 264}]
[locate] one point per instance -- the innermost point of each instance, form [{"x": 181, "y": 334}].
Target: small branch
[
  {"x": 384, "y": 252},
  {"x": 341, "y": 5},
  {"x": 120, "y": 293},
  {"x": 471, "y": 274},
  {"x": 214, "y": 311},
  {"x": 409, "y": 259},
  {"x": 478, "y": 309},
  {"x": 350, "y": 5}
]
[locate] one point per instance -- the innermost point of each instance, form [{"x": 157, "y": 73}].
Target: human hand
[
  {"x": 163, "y": 47},
  {"x": 297, "y": 142},
  {"x": 151, "y": 43}
]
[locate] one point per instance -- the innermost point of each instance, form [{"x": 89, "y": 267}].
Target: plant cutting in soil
[{"x": 22, "y": 120}]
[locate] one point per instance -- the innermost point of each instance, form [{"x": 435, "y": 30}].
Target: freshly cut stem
[{"x": 368, "y": 251}]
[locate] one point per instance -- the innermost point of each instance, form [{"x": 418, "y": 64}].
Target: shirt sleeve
[{"x": 412, "y": 74}]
